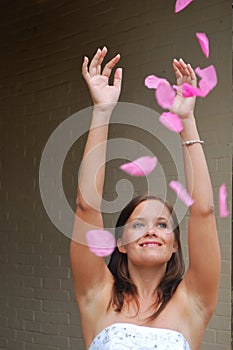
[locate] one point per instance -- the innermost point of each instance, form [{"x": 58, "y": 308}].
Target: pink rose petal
[
  {"x": 140, "y": 167},
  {"x": 152, "y": 81},
  {"x": 100, "y": 242},
  {"x": 223, "y": 211},
  {"x": 181, "y": 192},
  {"x": 189, "y": 91},
  {"x": 208, "y": 77},
  {"x": 171, "y": 121},
  {"x": 208, "y": 81},
  {"x": 176, "y": 87},
  {"x": 181, "y": 4},
  {"x": 165, "y": 94},
  {"x": 204, "y": 43}
]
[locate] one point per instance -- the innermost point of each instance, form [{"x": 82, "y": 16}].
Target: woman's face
[{"x": 148, "y": 235}]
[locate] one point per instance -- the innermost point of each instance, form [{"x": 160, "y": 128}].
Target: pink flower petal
[
  {"x": 171, "y": 121},
  {"x": 223, "y": 211},
  {"x": 204, "y": 43},
  {"x": 181, "y": 192},
  {"x": 208, "y": 77},
  {"x": 140, "y": 167},
  {"x": 100, "y": 242},
  {"x": 152, "y": 81},
  {"x": 181, "y": 4},
  {"x": 189, "y": 91},
  {"x": 176, "y": 87},
  {"x": 165, "y": 94},
  {"x": 208, "y": 81}
]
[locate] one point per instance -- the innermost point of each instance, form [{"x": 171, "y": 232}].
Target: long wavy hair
[{"x": 123, "y": 287}]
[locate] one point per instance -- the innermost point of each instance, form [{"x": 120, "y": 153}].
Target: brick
[
  {"x": 25, "y": 314},
  {"x": 41, "y": 317},
  {"x": 56, "y": 318},
  {"x": 3, "y": 343},
  {"x": 50, "y": 329},
  {"x": 76, "y": 344},
  {"x": 24, "y": 336},
  {"x": 3, "y": 322},
  {"x": 32, "y": 326},
  {"x": 51, "y": 340},
  {"x": 51, "y": 283},
  {"x": 40, "y": 347},
  {"x": 52, "y": 306},
  {"x": 32, "y": 282},
  {"x": 223, "y": 338},
  {"x": 15, "y": 344},
  {"x": 31, "y": 304},
  {"x": 70, "y": 331}
]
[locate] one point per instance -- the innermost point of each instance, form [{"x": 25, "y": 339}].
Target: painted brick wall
[{"x": 42, "y": 45}]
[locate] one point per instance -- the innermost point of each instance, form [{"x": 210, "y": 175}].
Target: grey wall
[{"x": 42, "y": 45}]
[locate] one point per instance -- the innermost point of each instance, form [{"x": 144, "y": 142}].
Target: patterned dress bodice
[{"x": 125, "y": 336}]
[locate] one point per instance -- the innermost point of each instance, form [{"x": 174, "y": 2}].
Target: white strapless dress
[{"x": 126, "y": 336}]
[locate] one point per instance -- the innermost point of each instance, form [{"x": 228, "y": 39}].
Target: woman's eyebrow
[
  {"x": 162, "y": 218},
  {"x": 138, "y": 218},
  {"x": 156, "y": 218}
]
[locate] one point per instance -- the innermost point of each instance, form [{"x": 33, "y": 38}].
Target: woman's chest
[{"x": 174, "y": 316}]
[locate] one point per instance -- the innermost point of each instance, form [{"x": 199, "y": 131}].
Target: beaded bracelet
[{"x": 191, "y": 142}]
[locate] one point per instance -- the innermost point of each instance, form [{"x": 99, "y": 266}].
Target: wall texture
[{"x": 42, "y": 45}]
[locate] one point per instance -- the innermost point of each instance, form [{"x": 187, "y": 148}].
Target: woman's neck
[{"x": 146, "y": 280}]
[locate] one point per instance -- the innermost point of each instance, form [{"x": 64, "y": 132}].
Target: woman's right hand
[
  {"x": 104, "y": 96},
  {"x": 184, "y": 73}
]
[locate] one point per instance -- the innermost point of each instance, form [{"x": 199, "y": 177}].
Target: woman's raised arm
[
  {"x": 89, "y": 271},
  {"x": 202, "y": 277}
]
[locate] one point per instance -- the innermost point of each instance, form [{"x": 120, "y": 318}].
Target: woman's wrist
[
  {"x": 104, "y": 108},
  {"x": 189, "y": 131},
  {"x": 100, "y": 116},
  {"x": 188, "y": 120}
]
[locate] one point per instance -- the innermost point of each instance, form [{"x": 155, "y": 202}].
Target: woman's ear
[
  {"x": 175, "y": 246},
  {"x": 120, "y": 246}
]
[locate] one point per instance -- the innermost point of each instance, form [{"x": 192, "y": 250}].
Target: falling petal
[
  {"x": 181, "y": 192},
  {"x": 176, "y": 87},
  {"x": 140, "y": 167},
  {"x": 208, "y": 81},
  {"x": 152, "y": 81},
  {"x": 100, "y": 242},
  {"x": 165, "y": 94},
  {"x": 208, "y": 77},
  {"x": 181, "y": 4},
  {"x": 171, "y": 121},
  {"x": 223, "y": 211},
  {"x": 204, "y": 43},
  {"x": 189, "y": 91}
]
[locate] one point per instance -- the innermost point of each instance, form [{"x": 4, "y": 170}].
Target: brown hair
[{"x": 118, "y": 264}]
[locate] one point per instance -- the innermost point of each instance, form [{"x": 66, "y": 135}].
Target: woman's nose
[{"x": 151, "y": 231}]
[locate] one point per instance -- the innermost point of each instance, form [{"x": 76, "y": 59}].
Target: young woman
[{"x": 142, "y": 300}]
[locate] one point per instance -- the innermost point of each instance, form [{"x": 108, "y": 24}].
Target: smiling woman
[
  {"x": 147, "y": 221},
  {"x": 142, "y": 299}
]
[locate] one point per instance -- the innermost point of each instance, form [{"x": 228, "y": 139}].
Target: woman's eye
[
  {"x": 138, "y": 225},
  {"x": 162, "y": 225}
]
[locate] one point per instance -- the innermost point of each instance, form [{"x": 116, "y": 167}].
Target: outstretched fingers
[
  {"x": 85, "y": 69},
  {"x": 176, "y": 67},
  {"x": 101, "y": 58},
  {"x": 118, "y": 78},
  {"x": 110, "y": 65},
  {"x": 192, "y": 74},
  {"x": 183, "y": 67},
  {"x": 95, "y": 65},
  {"x": 184, "y": 72}
]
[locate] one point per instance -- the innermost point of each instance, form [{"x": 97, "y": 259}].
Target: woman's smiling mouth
[{"x": 150, "y": 244}]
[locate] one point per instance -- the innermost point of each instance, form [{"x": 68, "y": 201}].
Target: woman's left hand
[{"x": 183, "y": 106}]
